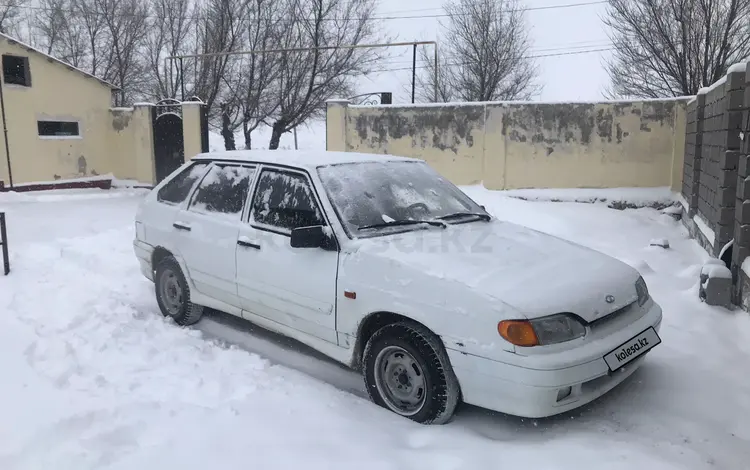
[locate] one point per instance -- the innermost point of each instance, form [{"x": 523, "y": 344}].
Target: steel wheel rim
[
  {"x": 400, "y": 381},
  {"x": 171, "y": 292}
]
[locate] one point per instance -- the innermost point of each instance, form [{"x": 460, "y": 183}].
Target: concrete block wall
[
  {"x": 741, "y": 247},
  {"x": 712, "y": 155},
  {"x": 716, "y": 174}
]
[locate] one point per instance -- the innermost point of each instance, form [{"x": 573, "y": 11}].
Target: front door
[
  {"x": 209, "y": 227},
  {"x": 295, "y": 287}
]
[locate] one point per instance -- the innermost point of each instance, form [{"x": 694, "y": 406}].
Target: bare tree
[
  {"x": 221, "y": 30},
  {"x": 87, "y": 16},
  {"x": 52, "y": 27},
  {"x": 170, "y": 33},
  {"x": 484, "y": 54},
  {"x": 427, "y": 81},
  {"x": 255, "y": 97},
  {"x": 674, "y": 47},
  {"x": 307, "y": 79},
  {"x": 124, "y": 22},
  {"x": 10, "y": 10}
]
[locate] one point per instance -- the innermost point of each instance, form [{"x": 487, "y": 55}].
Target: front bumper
[
  {"x": 144, "y": 252},
  {"x": 533, "y": 392}
]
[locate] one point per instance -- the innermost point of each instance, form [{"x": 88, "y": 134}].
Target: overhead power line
[
  {"x": 375, "y": 17},
  {"x": 537, "y": 56},
  {"x": 597, "y": 45}
]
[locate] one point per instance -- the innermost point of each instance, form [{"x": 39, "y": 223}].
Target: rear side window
[
  {"x": 285, "y": 200},
  {"x": 179, "y": 187},
  {"x": 223, "y": 190}
]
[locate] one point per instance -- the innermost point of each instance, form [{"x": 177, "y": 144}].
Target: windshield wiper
[
  {"x": 394, "y": 223},
  {"x": 454, "y": 215}
]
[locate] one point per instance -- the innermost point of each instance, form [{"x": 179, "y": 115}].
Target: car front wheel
[
  {"x": 407, "y": 371},
  {"x": 173, "y": 293}
]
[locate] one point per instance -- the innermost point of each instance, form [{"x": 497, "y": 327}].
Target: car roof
[{"x": 308, "y": 159}]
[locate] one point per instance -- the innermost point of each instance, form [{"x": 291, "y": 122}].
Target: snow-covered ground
[{"x": 96, "y": 378}]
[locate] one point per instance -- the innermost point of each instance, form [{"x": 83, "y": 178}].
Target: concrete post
[
  {"x": 693, "y": 147},
  {"x": 191, "y": 128},
  {"x": 143, "y": 133},
  {"x": 336, "y": 125}
]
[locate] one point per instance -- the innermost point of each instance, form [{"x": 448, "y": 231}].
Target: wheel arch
[
  {"x": 372, "y": 323},
  {"x": 158, "y": 255}
]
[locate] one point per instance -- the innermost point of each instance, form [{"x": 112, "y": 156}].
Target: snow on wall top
[
  {"x": 301, "y": 158},
  {"x": 14, "y": 41},
  {"x": 738, "y": 67},
  {"x": 718, "y": 82},
  {"x": 503, "y": 103}
]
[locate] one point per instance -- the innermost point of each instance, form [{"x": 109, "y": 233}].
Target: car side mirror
[
  {"x": 483, "y": 208},
  {"x": 312, "y": 237}
]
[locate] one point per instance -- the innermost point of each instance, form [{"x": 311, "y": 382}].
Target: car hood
[{"x": 535, "y": 273}]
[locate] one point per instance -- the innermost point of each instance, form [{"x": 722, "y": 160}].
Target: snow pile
[
  {"x": 715, "y": 268},
  {"x": 95, "y": 378},
  {"x": 615, "y": 197}
]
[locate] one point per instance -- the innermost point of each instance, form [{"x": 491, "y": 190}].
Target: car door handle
[
  {"x": 181, "y": 226},
  {"x": 244, "y": 241}
]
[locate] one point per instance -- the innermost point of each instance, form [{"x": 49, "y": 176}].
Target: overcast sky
[{"x": 572, "y": 77}]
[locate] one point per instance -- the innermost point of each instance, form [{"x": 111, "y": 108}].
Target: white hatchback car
[{"x": 383, "y": 265}]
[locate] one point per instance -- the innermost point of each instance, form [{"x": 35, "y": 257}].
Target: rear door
[
  {"x": 155, "y": 218},
  {"x": 208, "y": 228},
  {"x": 292, "y": 286}
]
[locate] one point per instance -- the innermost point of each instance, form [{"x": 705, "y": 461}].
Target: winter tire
[
  {"x": 407, "y": 371},
  {"x": 173, "y": 293}
]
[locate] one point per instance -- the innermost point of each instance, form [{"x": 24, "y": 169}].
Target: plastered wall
[
  {"x": 525, "y": 145},
  {"x": 56, "y": 93},
  {"x": 131, "y": 134},
  {"x": 116, "y": 141}
]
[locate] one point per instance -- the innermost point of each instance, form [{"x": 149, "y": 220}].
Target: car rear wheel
[
  {"x": 407, "y": 371},
  {"x": 173, "y": 293}
]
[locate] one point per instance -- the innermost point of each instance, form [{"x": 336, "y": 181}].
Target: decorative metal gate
[
  {"x": 374, "y": 98},
  {"x": 169, "y": 149}
]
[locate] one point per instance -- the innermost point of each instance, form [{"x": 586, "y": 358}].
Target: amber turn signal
[{"x": 518, "y": 332}]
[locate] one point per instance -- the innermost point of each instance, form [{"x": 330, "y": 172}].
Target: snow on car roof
[{"x": 300, "y": 158}]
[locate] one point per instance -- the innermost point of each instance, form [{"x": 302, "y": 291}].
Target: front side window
[
  {"x": 371, "y": 194},
  {"x": 223, "y": 190},
  {"x": 179, "y": 187},
  {"x": 284, "y": 200}
]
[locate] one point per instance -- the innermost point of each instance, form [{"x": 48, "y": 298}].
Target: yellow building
[{"x": 60, "y": 125}]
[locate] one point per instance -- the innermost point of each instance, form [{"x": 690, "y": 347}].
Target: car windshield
[{"x": 372, "y": 197}]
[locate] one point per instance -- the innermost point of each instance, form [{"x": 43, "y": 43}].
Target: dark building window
[
  {"x": 16, "y": 70},
  {"x": 57, "y": 128}
]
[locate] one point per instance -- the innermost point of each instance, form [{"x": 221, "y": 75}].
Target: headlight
[
  {"x": 557, "y": 328},
  {"x": 542, "y": 331},
  {"x": 642, "y": 290}
]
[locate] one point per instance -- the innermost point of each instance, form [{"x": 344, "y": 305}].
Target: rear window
[
  {"x": 223, "y": 190},
  {"x": 179, "y": 187}
]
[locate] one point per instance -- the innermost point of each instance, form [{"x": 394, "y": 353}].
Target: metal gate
[{"x": 169, "y": 149}]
